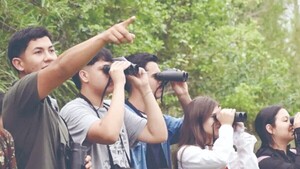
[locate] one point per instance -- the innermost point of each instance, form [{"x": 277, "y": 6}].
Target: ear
[
  {"x": 269, "y": 128},
  {"x": 18, "y": 64},
  {"x": 83, "y": 76}
]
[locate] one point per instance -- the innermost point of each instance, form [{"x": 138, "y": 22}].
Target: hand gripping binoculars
[
  {"x": 133, "y": 69},
  {"x": 238, "y": 117}
]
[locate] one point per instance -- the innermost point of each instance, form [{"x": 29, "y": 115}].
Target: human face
[
  {"x": 282, "y": 131},
  {"x": 95, "y": 79},
  {"x": 38, "y": 55},
  {"x": 152, "y": 68},
  {"x": 211, "y": 126}
]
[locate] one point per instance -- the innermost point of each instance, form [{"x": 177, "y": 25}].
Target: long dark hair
[
  {"x": 198, "y": 111},
  {"x": 264, "y": 117},
  {"x": 192, "y": 131}
]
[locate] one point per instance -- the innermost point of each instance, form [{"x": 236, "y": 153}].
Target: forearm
[
  {"x": 67, "y": 64},
  {"x": 114, "y": 118},
  {"x": 78, "y": 56},
  {"x": 245, "y": 151},
  {"x": 184, "y": 100},
  {"x": 155, "y": 122}
]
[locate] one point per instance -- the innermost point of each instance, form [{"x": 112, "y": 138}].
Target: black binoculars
[
  {"x": 133, "y": 69},
  {"x": 79, "y": 153},
  {"x": 172, "y": 75},
  {"x": 238, "y": 117}
]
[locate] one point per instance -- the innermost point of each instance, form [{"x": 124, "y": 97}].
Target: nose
[{"x": 50, "y": 56}]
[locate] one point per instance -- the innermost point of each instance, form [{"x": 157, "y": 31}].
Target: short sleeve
[
  {"x": 79, "y": 117},
  {"x": 134, "y": 126}
]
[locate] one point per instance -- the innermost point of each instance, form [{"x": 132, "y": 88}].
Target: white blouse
[{"x": 222, "y": 154}]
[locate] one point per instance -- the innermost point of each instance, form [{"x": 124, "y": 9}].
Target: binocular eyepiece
[
  {"x": 172, "y": 75},
  {"x": 133, "y": 69},
  {"x": 238, "y": 117}
]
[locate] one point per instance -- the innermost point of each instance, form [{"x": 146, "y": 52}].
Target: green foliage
[{"x": 240, "y": 52}]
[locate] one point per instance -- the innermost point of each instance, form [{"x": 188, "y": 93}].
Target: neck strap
[{"x": 108, "y": 148}]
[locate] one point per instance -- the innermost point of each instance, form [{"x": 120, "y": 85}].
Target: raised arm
[
  {"x": 70, "y": 61},
  {"x": 244, "y": 143},
  {"x": 182, "y": 93},
  {"x": 107, "y": 129},
  {"x": 155, "y": 130}
]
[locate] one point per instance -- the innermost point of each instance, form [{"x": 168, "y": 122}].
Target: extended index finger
[{"x": 128, "y": 21}]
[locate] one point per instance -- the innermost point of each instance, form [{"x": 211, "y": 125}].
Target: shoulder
[
  {"x": 74, "y": 105},
  {"x": 77, "y": 102},
  {"x": 188, "y": 149},
  {"x": 29, "y": 80}
]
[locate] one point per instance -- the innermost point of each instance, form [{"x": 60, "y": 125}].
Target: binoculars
[
  {"x": 79, "y": 153},
  {"x": 238, "y": 117},
  {"x": 172, "y": 75},
  {"x": 133, "y": 69}
]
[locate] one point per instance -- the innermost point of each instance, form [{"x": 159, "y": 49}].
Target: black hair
[
  {"x": 20, "y": 40},
  {"x": 264, "y": 117},
  {"x": 104, "y": 54},
  {"x": 141, "y": 60}
]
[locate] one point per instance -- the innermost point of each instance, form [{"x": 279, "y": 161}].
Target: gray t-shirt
[
  {"x": 79, "y": 116},
  {"x": 36, "y": 127}
]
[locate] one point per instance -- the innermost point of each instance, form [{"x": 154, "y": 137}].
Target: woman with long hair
[
  {"x": 208, "y": 138},
  {"x": 276, "y": 131}
]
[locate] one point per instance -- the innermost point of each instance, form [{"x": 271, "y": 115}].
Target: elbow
[
  {"x": 159, "y": 138},
  {"x": 164, "y": 137},
  {"x": 223, "y": 161},
  {"x": 112, "y": 137},
  {"x": 109, "y": 137}
]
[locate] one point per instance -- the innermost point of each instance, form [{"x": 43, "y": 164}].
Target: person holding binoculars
[
  {"x": 156, "y": 155},
  {"x": 105, "y": 126},
  {"x": 277, "y": 129},
  {"x": 207, "y": 138}
]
